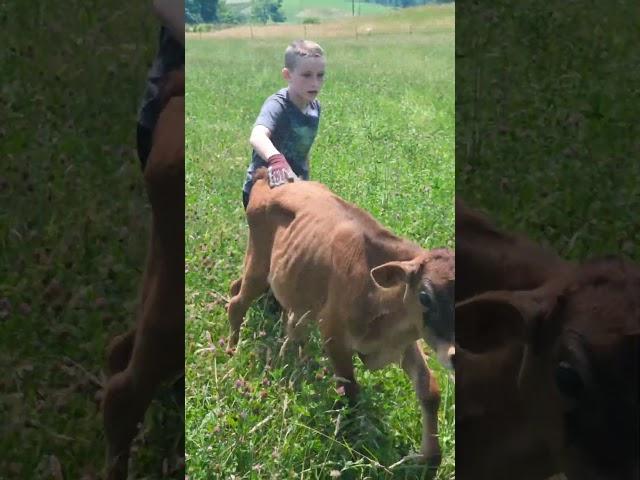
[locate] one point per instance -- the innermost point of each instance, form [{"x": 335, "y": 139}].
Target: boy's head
[{"x": 303, "y": 70}]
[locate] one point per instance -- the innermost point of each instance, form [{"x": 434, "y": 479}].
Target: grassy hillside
[{"x": 386, "y": 143}]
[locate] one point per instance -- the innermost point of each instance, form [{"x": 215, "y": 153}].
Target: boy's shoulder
[
  {"x": 279, "y": 104},
  {"x": 281, "y": 96}
]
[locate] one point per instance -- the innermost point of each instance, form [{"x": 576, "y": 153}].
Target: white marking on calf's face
[
  {"x": 446, "y": 353},
  {"x": 437, "y": 323}
]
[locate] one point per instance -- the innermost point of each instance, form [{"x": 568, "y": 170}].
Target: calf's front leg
[
  {"x": 341, "y": 358},
  {"x": 428, "y": 393},
  {"x": 119, "y": 352},
  {"x": 156, "y": 357}
]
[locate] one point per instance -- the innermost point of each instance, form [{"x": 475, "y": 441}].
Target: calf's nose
[{"x": 451, "y": 353}]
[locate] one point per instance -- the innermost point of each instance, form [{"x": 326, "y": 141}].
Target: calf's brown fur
[
  {"x": 488, "y": 258},
  {"x": 329, "y": 261},
  {"x": 153, "y": 352}
]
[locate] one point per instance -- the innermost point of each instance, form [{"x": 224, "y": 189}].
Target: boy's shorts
[
  {"x": 144, "y": 138},
  {"x": 245, "y": 199}
]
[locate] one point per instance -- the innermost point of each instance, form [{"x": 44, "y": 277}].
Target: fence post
[
  {"x": 410, "y": 31},
  {"x": 251, "y": 30},
  {"x": 356, "y": 32}
]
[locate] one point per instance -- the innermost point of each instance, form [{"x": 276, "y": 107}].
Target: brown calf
[
  {"x": 153, "y": 352},
  {"x": 547, "y": 378},
  {"x": 371, "y": 292}
]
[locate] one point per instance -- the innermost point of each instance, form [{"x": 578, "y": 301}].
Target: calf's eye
[
  {"x": 568, "y": 380},
  {"x": 425, "y": 298}
]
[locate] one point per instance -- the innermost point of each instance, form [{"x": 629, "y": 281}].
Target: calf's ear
[
  {"x": 396, "y": 273},
  {"x": 492, "y": 320}
]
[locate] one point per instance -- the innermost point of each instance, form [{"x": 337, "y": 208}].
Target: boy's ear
[{"x": 286, "y": 74}]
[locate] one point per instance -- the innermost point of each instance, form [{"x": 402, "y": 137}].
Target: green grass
[
  {"x": 72, "y": 228},
  {"x": 386, "y": 144},
  {"x": 547, "y": 131}
]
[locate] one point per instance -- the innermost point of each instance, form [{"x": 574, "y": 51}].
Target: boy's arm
[
  {"x": 280, "y": 171},
  {"x": 171, "y": 14},
  {"x": 261, "y": 142}
]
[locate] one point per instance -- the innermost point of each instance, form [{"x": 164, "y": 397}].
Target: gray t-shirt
[
  {"x": 170, "y": 57},
  {"x": 292, "y": 133}
]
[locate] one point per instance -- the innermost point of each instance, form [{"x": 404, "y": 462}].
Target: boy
[
  {"x": 286, "y": 127},
  {"x": 170, "y": 57}
]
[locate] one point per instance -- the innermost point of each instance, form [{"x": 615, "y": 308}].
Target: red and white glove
[{"x": 279, "y": 170}]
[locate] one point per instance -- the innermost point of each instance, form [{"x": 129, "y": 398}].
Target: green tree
[
  {"x": 209, "y": 10},
  {"x": 230, "y": 15},
  {"x": 265, "y": 10},
  {"x": 199, "y": 11},
  {"x": 192, "y": 11}
]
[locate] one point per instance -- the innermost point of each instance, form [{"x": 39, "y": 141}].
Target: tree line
[
  {"x": 217, "y": 11},
  {"x": 405, "y": 3},
  {"x": 263, "y": 11},
  {"x": 201, "y": 11}
]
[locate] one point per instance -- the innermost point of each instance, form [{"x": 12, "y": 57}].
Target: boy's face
[{"x": 306, "y": 79}]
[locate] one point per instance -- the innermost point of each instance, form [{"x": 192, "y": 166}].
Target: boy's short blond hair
[{"x": 300, "y": 49}]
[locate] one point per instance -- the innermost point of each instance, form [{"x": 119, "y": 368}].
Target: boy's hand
[{"x": 279, "y": 170}]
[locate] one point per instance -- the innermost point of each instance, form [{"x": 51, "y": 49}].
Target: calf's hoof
[
  {"x": 349, "y": 396},
  {"x": 434, "y": 461},
  {"x": 116, "y": 469},
  {"x": 429, "y": 463},
  {"x": 232, "y": 343},
  {"x": 431, "y": 460},
  {"x": 430, "y": 451}
]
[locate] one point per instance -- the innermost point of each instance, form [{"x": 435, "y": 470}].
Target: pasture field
[
  {"x": 73, "y": 232},
  {"x": 439, "y": 21},
  {"x": 326, "y": 10},
  {"x": 386, "y": 143}
]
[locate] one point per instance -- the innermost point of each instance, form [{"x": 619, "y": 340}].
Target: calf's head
[
  {"x": 423, "y": 288},
  {"x": 579, "y": 364}
]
